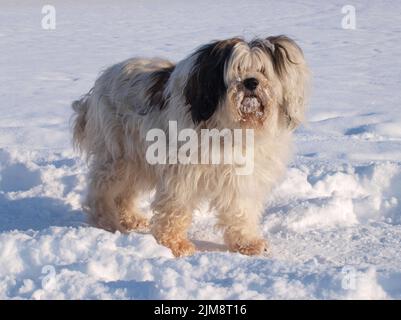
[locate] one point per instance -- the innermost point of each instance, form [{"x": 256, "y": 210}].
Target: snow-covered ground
[{"x": 334, "y": 224}]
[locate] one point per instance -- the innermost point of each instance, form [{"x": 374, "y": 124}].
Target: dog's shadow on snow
[
  {"x": 201, "y": 245},
  {"x": 37, "y": 213},
  {"x": 206, "y": 246}
]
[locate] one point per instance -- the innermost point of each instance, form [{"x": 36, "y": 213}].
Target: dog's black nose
[{"x": 251, "y": 83}]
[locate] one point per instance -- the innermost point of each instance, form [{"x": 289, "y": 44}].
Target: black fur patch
[
  {"x": 205, "y": 87},
  {"x": 158, "y": 84}
]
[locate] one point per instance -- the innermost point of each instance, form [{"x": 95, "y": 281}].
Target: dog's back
[{"x": 121, "y": 90}]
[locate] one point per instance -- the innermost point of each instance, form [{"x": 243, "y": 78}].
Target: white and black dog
[{"x": 229, "y": 84}]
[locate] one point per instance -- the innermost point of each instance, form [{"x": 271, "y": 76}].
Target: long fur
[{"x": 205, "y": 90}]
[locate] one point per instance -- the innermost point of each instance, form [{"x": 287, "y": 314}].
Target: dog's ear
[
  {"x": 205, "y": 86},
  {"x": 290, "y": 66}
]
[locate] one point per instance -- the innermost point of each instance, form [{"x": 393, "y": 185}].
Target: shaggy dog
[{"x": 230, "y": 84}]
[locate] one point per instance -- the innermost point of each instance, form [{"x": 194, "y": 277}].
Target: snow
[{"x": 334, "y": 223}]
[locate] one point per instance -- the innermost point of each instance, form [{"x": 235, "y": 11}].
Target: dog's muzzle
[{"x": 251, "y": 106}]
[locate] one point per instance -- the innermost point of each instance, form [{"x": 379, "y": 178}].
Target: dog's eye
[{"x": 238, "y": 71}]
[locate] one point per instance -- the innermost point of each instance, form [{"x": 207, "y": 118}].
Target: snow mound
[{"x": 320, "y": 197}]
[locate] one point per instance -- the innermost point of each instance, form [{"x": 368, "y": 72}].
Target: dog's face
[
  {"x": 251, "y": 89},
  {"x": 251, "y": 85}
]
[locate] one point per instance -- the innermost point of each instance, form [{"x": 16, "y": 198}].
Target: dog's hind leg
[
  {"x": 130, "y": 217},
  {"x": 100, "y": 205},
  {"x": 110, "y": 201}
]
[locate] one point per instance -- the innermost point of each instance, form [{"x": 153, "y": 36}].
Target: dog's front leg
[
  {"x": 170, "y": 224},
  {"x": 240, "y": 221}
]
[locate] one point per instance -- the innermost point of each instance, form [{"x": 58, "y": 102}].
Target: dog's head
[{"x": 248, "y": 84}]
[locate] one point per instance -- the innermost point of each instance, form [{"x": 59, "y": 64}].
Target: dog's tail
[{"x": 80, "y": 108}]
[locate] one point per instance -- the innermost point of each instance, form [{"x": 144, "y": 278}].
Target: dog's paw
[
  {"x": 251, "y": 248},
  {"x": 139, "y": 224},
  {"x": 181, "y": 248}
]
